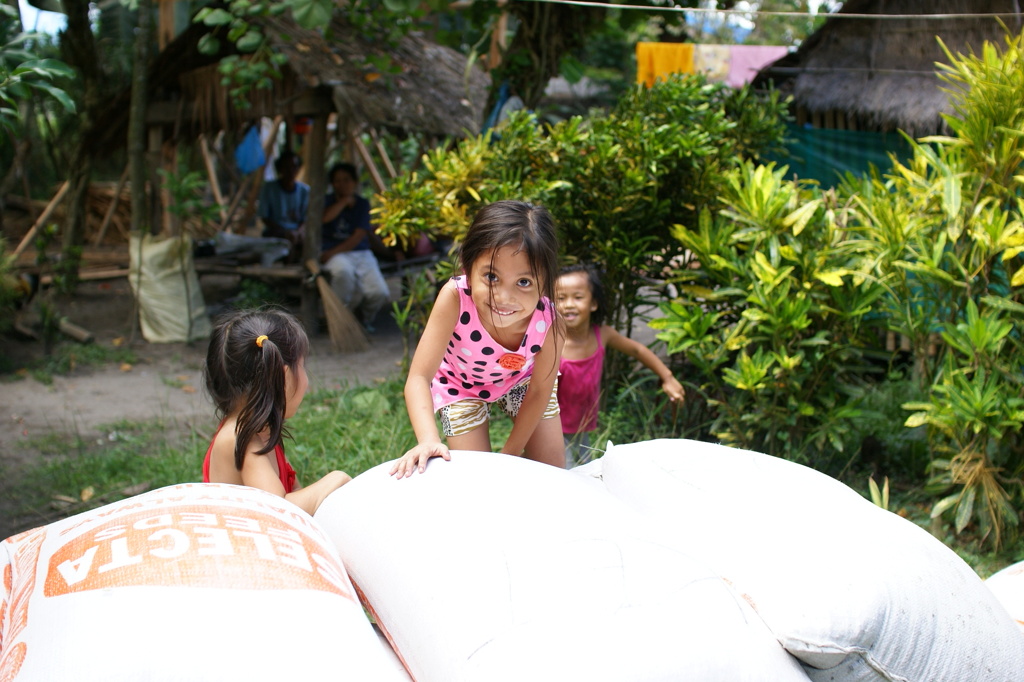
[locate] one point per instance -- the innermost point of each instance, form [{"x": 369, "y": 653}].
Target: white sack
[
  {"x": 855, "y": 592},
  {"x": 1008, "y": 586},
  {"x": 490, "y": 568},
  {"x": 163, "y": 278},
  {"x": 193, "y": 582}
]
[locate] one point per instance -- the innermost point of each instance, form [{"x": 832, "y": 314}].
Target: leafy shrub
[
  {"x": 615, "y": 184},
  {"x": 771, "y": 317},
  {"x": 791, "y": 289}
]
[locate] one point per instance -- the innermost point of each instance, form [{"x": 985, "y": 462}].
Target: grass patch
[
  {"x": 79, "y": 474},
  {"x": 64, "y": 359},
  {"x": 352, "y": 429}
]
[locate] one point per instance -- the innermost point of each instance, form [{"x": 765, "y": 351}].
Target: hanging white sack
[
  {"x": 198, "y": 582},
  {"x": 855, "y": 592},
  {"x": 493, "y": 568},
  {"x": 166, "y": 286}
]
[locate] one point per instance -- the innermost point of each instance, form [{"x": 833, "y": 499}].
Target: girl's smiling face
[
  {"x": 575, "y": 300},
  {"x": 504, "y": 288}
]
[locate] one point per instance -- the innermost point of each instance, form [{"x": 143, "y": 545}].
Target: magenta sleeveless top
[
  {"x": 475, "y": 366},
  {"x": 579, "y": 390}
]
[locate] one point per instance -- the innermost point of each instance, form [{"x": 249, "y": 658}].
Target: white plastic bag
[
  {"x": 193, "y": 582},
  {"x": 490, "y": 568},
  {"x": 1008, "y": 586},
  {"x": 855, "y": 592}
]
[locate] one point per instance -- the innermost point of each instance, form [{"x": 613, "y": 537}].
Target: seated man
[
  {"x": 284, "y": 204},
  {"x": 347, "y": 255}
]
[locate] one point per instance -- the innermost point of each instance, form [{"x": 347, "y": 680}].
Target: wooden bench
[
  {"x": 409, "y": 266},
  {"x": 224, "y": 267}
]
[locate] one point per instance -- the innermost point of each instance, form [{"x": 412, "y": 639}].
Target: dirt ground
[{"x": 164, "y": 383}]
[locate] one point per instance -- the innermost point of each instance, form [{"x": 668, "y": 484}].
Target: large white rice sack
[
  {"x": 491, "y": 567},
  {"x": 1008, "y": 586},
  {"x": 192, "y": 582},
  {"x": 855, "y": 592}
]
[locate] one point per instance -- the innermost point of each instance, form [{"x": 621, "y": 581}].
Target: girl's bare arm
[
  {"x": 646, "y": 356},
  {"x": 258, "y": 471},
  {"x": 418, "y": 401}
]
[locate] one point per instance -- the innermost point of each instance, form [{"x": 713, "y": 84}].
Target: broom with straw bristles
[{"x": 346, "y": 333}]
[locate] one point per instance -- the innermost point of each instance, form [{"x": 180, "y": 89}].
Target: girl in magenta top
[
  {"x": 580, "y": 301},
  {"x": 492, "y": 338},
  {"x": 256, "y": 375}
]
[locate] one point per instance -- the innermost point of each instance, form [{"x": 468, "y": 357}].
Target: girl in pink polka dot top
[{"x": 493, "y": 337}]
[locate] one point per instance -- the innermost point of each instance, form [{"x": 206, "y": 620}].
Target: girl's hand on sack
[{"x": 416, "y": 459}]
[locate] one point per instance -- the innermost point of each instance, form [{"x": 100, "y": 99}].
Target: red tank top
[{"x": 284, "y": 470}]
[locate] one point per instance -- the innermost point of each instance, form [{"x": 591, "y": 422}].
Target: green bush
[
  {"x": 771, "y": 318},
  {"x": 614, "y": 183},
  {"x": 783, "y": 313}
]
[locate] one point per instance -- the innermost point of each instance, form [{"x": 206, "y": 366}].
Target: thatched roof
[
  {"x": 883, "y": 70},
  {"x": 429, "y": 88}
]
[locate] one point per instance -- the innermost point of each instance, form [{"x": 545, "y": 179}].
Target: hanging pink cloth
[{"x": 747, "y": 60}]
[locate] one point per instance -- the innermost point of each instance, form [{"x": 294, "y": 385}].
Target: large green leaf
[{"x": 312, "y": 13}]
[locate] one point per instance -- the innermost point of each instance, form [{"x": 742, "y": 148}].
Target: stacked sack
[
  {"x": 490, "y": 568},
  {"x": 1008, "y": 586},
  {"x": 190, "y": 582},
  {"x": 854, "y": 592}
]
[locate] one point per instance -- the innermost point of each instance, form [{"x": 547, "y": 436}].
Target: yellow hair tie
[{"x": 261, "y": 339}]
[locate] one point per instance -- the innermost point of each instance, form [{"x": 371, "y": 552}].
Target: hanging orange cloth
[{"x": 658, "y": 60}]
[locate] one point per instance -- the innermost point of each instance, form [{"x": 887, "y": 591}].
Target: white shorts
[{"x": 461, "y": 417}]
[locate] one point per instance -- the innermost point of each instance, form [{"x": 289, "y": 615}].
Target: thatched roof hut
[
  {"x": 429, "y": 88},
  {"x": 878, "y": 73}
]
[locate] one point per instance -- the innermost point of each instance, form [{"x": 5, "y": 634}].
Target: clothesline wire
[{"x": 774, "y": 13}]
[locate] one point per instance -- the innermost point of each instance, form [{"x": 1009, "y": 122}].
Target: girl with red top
[
  {"x": 492, "y": 339},
  {"x": 256, "y": 375},
  {"x": 580, "y": 300}
]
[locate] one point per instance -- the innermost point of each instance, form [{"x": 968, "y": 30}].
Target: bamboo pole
[
  {"x": 364, "y": 153},
  {"x": 30, "y": 235},
  {"x": 211, "y": 172},
  {"x": 385, "y": 159},
  {"x": 317, "y": 141},
  {"x": 113, "y": 207}
]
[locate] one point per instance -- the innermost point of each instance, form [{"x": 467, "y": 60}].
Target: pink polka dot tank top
[{"x": 475, "y": 366}]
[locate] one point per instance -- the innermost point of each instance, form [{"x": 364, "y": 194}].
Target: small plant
[
  {"x": 880, "y": 498},
  {"x": 411, "y": 315},
  {"x": 254, "y": 293},
  {"x": 187, "y": 190}
]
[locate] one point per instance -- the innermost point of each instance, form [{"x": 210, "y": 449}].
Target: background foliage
[{"x": 796, "y": 290}]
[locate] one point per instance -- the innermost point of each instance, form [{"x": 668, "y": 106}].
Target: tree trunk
[
  {"x": 137, "y": 119},
  {"x": 79, "y": 49},
  {"x": 545, "y": 34}
]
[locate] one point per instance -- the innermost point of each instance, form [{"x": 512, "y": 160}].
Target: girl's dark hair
[
  {"x": 515, "y": 223},
  {"x": 596, "y": 290},
  {"x": 242, "y": 375}
]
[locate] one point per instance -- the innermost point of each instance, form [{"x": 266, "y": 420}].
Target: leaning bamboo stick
[
  {"x": 239, "y": 193},
  {"x": 211, "y": 171},
  {"x": 30, "y": 235},
  {"x": 113, "y": 207},
  {"x": 378, "y": 181},
  {"x": 385, "y": 159}
]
